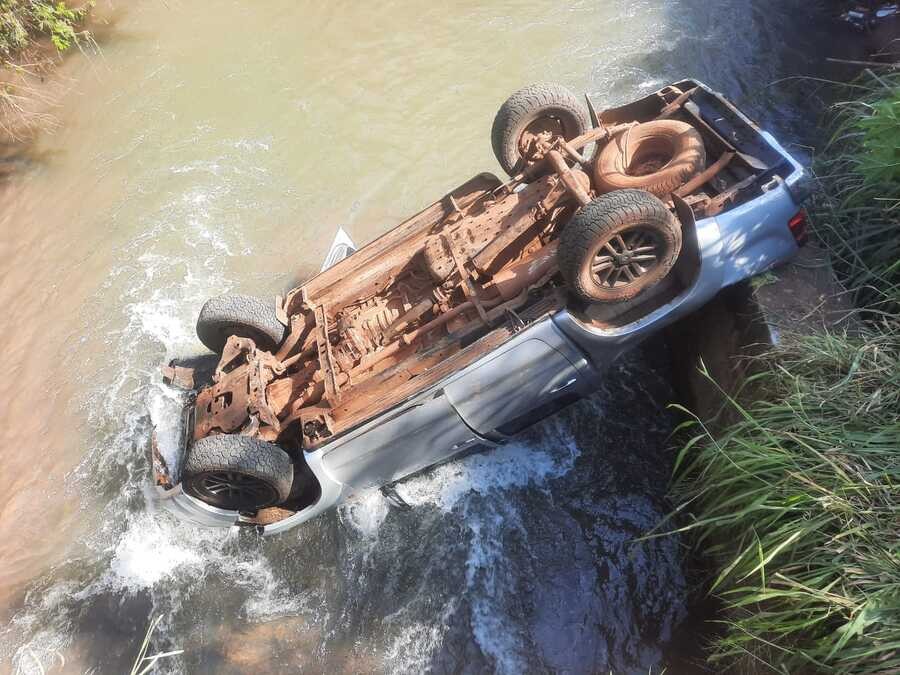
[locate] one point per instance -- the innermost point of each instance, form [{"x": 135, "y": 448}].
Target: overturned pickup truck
[{"x": 485, "y": 312}]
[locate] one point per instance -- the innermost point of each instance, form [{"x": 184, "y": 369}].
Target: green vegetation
[
  {"x": 23, "y": 20},
  {"x": 859, "y": 206},
  {"x": 23, "y": 102},
  {"x": 797, "y": 503}
]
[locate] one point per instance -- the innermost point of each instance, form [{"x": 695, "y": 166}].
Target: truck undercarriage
[{"x": 460, "y": 277}]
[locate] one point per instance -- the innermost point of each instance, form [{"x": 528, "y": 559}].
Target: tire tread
[
  {"x": 597, "y": 220},
  {"x": 255, "y": 457},
  {"x": 242, "y": 315},
  {"x": 522, "y": 105}
]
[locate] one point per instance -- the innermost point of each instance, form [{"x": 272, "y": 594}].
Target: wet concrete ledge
[{"x": 802, "y": 296}]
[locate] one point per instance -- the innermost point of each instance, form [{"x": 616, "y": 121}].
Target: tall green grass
[
  {"x": 858, "y": 208},
  {"x": 797, "y": 504}
]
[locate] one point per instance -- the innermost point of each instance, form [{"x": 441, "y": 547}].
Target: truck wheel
[
  {"x": 530, "y": 111},
  {"x": 238, "y": 473},
  {"x": 618, "y": 246},
  {"x": 241, "y": 315},
  {"x": 658, "y": 157}
]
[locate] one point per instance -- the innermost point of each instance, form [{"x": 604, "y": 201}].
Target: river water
[{"x": 216, "y": 146}]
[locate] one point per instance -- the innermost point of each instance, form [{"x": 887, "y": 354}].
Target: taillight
[{"x": 798, "y": 227}]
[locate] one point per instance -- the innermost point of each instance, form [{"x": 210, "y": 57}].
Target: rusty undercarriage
[{"x": 441, "y": 289}]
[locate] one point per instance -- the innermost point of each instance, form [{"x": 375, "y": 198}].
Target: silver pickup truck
[{"x": 487, "y": 311}]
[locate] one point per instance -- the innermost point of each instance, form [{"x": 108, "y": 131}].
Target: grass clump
[
  {"x": 858, "y": 209},
  {"x": 797, "y": 503}
]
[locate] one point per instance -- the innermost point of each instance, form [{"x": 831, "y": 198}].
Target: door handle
[{"x": 568, "y": 384}]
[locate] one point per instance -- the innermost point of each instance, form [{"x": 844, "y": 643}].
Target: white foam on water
[
  {"x": 203, "y": 166},
  {"x": 509, "y": 466},
  {"x": 43, "y": 653},
  {"x": 268, "y": 596},
  {"x": 270, "y": 599},
  {"x": 652, "y": 84},
  {"x": 247, "y": 144},
  {"x": 158, "y": 318},
  {"x": 488, "y": 583},
  {"x": 166, "y": 406},
  {"x": 365, "y": 513},
  {"x": 167, "y": 558},
  {"x": 413, "y": 648},
  {"x": 147, "y": 554},
  {"x": 476, "y": 491},
  {"x": 156, "y": 548}
]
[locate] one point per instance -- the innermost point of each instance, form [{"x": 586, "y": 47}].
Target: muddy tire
[
  {"x": 536, "y": 107},
  {"x": 617, "y": 246},
  {"x": 658, "y": 157},
  {"x": 241, "y": 315},
  {"x": 237, "y": 473}
]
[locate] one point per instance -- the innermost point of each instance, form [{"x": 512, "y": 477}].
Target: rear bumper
[{"x": 185, "y": 507}]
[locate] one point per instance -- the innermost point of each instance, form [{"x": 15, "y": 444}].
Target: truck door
[
  {"x": 515, "y": 388},
  {"x": 420, "y": 434}
]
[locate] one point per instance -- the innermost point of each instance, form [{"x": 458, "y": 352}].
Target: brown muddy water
[{"x": 216, "y": 146}]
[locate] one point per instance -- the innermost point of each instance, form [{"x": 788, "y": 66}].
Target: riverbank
[
  {"x": 789, "y": 489},
  {"x": 33, "y": 33}
]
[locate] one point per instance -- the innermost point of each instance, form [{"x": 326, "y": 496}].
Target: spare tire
[
  {"x": 241, "y": 315},
  {"x": 536, "y": 108},
  {"x": 238, "y": 473},
  {"x": 658, "y": 157},
  {"x": 618, "y": 245}
]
